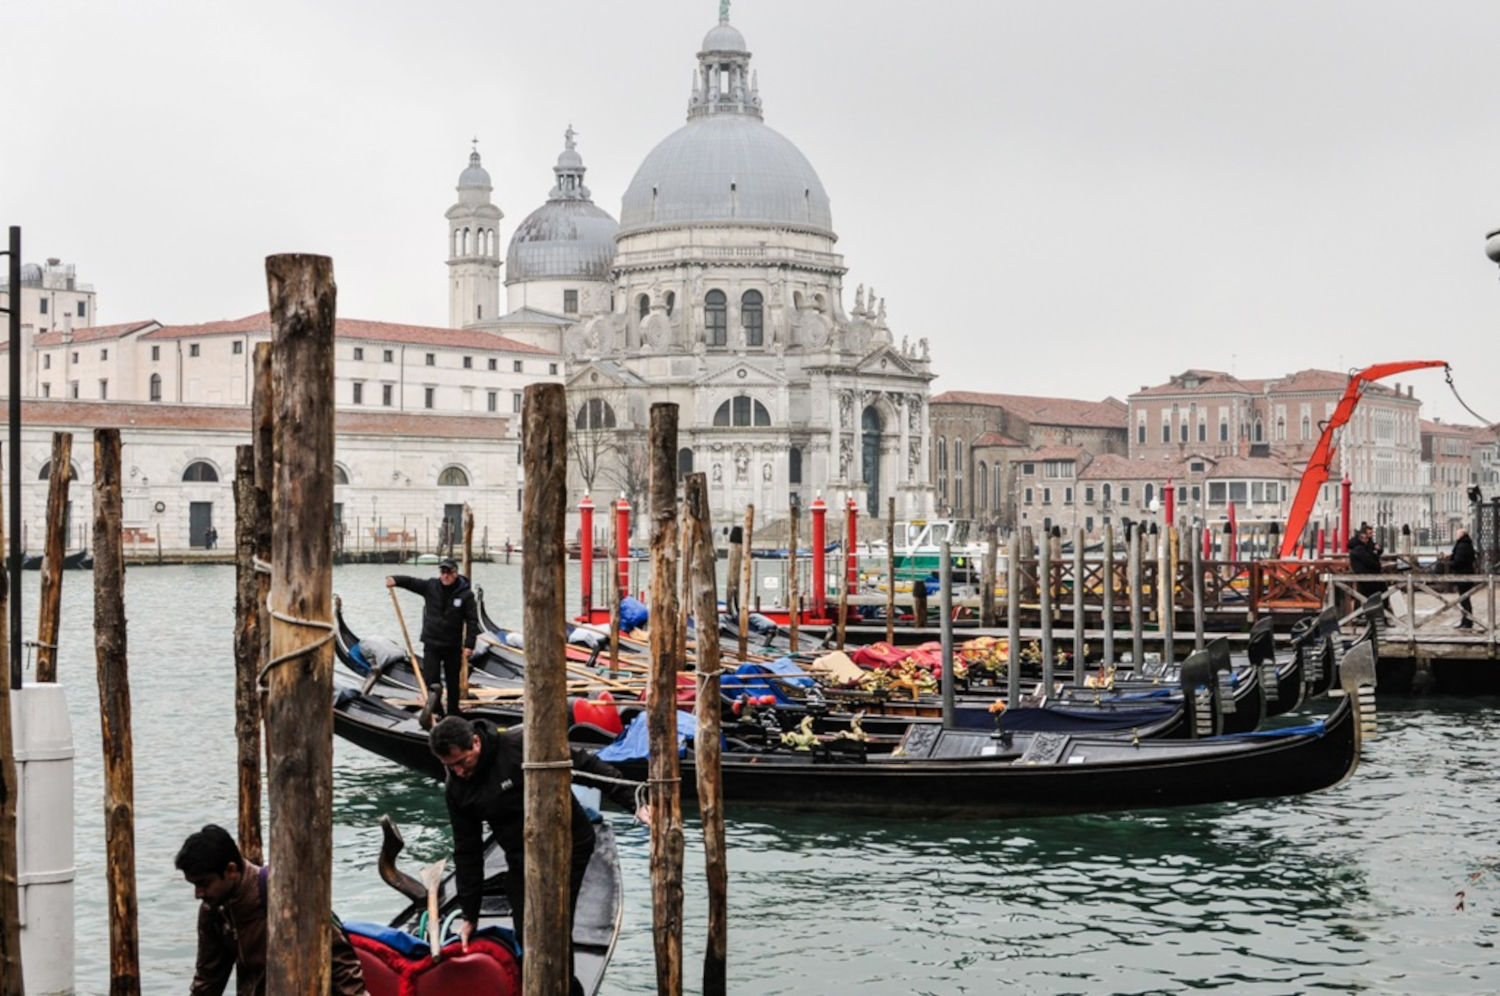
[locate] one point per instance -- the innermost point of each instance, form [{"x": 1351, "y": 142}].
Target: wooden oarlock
[
  {"x": 661, "y": 710},
  {"x": 114, "y": 716},
  {"x": 548, "y": 801},
  {"x": 299, "y": 675}
]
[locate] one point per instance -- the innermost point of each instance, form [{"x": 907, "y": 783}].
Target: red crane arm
[{"x": 1315, "y": 474}]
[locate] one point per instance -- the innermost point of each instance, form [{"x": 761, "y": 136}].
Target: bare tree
[
  {"x": 591, "y": 435},
  {"x": 629, "y": 468}
]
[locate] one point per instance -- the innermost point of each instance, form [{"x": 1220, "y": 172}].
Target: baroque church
[{"x": 719, "y": 289}]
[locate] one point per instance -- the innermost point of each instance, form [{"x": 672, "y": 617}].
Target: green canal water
[{"x": 1350, "y": 890}]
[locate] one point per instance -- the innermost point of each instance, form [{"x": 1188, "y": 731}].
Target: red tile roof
[
  {"x": 996, "y": 439},
  {"x": 1432, "y": 427},
  {"x": 227, "y": 418},
  {"x": 1107, "y": 414},
  {"x": 1206, "y": 382},
  {"x": 1113, "y": 467},
  {"x": 1251, "y": 467},
  {"x": 94, "y": 333},
  {"x": 358, "y": 328},
  {"x": 1056, "y": 453}
]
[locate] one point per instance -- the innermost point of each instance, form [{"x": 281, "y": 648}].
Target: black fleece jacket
[
  {"x": 495, "y": 794},
  {"x": 450, "y": 613}
]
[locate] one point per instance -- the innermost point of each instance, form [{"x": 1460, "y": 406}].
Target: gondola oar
[{"x": 427, "y": 704}]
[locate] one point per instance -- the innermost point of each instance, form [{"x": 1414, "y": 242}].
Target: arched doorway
[{"x": 871, "y": 427}]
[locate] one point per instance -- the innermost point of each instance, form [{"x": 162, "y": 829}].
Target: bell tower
[{"x": 473, "y": 249}]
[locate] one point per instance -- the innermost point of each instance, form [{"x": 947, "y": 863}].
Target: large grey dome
[
  {"x": 569, "y": 237},
  {"x": 474, "y": 176},
  {"x": 562, "y": 239},
  {"x": 724, "y": 37},
  {"x": 726, "y": 168}
]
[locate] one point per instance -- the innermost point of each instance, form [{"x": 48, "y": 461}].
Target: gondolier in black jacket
[
  {"x": 485, "y": 784},
  {"x": 450, "y": 625}
]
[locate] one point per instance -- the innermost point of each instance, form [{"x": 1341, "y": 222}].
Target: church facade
[{"x": 720, "y": 289}]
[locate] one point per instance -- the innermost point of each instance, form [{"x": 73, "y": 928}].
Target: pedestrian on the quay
[
  {"x": 450, "y": 627},
  {"x": 1461, "y": 561}
]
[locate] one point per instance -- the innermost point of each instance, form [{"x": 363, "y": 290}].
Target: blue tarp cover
[
  {"x": 748, "y": 678},
  {"x": 634, "y": 744},
  {"x": 633, "y": 614}
]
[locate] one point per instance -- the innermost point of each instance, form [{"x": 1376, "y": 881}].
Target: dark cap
[{"x": 448, "y": 564}]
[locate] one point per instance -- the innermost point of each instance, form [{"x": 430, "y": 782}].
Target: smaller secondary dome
[
  {"x": 567, "y": 238},
  {"x": 724, "y": 37},
  {"x": 474, "y": 175}
]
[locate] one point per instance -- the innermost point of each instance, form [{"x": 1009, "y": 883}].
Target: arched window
[
  {"x": 958, "y": 456},
  {"x": 1106, "y": 491},
  {"x": 200, "y": 472},
  {"x": 716, "y": 317},
  {"x": 942, "y": 455},
  {"x": 1260, "y": 431},
  {"x": 494, "y": 244},
  {"x": 982, "y": 484},
  {"x": 671, "y": 303},
  {"x": 1281, "y": 430},
  {"x": 595, "y": 414},
  {"x": 340, "y": 475},
  {"x": 1306, "y": 427},
  {"x": 453, "y": 477},
  {"x": 684, "y": 461},
  {"x": 742, "y": 410},
  {"x": 752, "y": 318},
  {"x": 643, "y": 305},
  {"x": 155, "y": 387},
  {"x": 794, "y": 466},
  {"x": 47, "y": 471},
  {"x": 1150, "y": 493},
  {"x": 466, "y": 242}
]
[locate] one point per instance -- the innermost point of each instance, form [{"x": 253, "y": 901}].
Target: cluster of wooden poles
[{"x": 114, "y": 705}]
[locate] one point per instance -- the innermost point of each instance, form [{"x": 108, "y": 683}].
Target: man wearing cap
[{"x": 450, "y": 625}]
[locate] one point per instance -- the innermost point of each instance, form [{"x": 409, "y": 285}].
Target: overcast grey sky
[{"x": 1069, "y": 198}]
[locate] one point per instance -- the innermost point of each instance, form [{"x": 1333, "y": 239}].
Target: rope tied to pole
[
  {"x": 260, "y": 566},
  {"x": 320, "y": 624}
]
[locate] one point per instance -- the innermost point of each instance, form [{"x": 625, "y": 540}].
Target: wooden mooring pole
[
  {"x": 793, "y": 580},
  {"x": 467, "y": 566},
  {"x": 1013, "y": 620},
  {"x": 747, "y": 560},
  {"x": 1166, "y": 582},
  {"x": 549, "y": 834},
  {"x": 55, "y": 538},
  {"x": 263, "y": 440},
  {"x": 613, "y": 587},
  {"x": 890, "y": 569},
  {"x": 661, "y": 711},
  {"x": 1078, "y": 621},
  {"x": 1109, "y": 594},
  {"x": 701, "y": 570},
  {"x": 114, "y": 716},
  {"x": 299, "y": 723},
  {"x": 11, "y": 980},
  {"x": 945, "y": 632},
  {"x": 987, "y": 574},
  {"x": 846, "y": 555},
  {"x": 1195, "y": 539},
  {"x": 1134, "y": 537},
  {"x": 1044, "y": 584},
  {"x": 247, "y": 653}
]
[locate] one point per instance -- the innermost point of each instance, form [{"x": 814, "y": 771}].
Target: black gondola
[
  {"x": 397, "y": 959},
  {"x": 948, "y": 773}
]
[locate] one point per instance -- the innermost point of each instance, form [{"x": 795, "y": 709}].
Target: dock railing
[{"x": 1425, "y": 611}]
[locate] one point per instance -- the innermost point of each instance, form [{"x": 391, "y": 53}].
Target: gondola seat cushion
[
  {"x": 396, "y": 963},
  {"x": 600, "y": 712}
]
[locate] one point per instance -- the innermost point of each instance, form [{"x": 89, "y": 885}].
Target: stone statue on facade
[
  {"x": 741, "y": 466},
  {"x": 922, "y": 344},
  {"x": 859, "y": 300},
  {"x": 568, "y": 137}
]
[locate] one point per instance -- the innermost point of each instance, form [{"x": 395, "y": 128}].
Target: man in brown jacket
[{"x": 232, "y": 920}]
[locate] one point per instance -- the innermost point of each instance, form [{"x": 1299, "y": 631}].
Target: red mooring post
[
  {"x": 1346, "y": 504},
  {"x": 622, "y": 547},
  {"x": 851, "y": 561},
  {"x": 586, "y": 555},
  {"x": 1322, "y": 542},
  {"x": 819, "y": 562}
]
